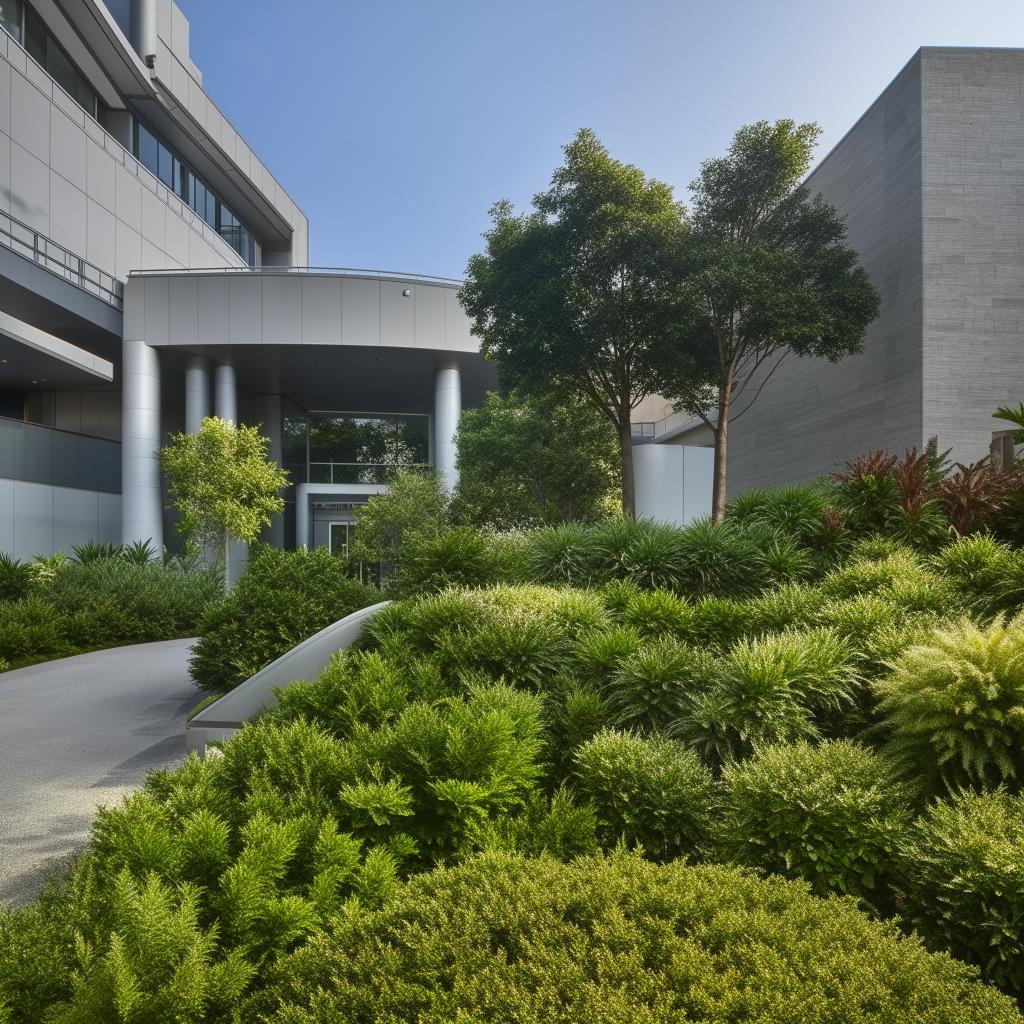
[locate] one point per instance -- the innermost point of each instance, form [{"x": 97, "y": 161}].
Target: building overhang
[{"x": 30, "y": 357}]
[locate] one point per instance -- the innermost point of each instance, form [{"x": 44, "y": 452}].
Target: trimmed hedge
[{"x": 616, "y": 939}]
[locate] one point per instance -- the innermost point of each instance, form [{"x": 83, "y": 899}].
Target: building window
[
  {"x": 19, "y": 20},
  {"x": 159, "y": 158},
  {"x": 349, "y": 449}
]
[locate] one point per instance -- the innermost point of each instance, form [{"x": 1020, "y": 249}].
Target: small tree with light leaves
[{"x": 223, "y": 484}]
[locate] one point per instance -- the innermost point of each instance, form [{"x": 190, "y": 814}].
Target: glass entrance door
[{"x": 339, "y": 534}]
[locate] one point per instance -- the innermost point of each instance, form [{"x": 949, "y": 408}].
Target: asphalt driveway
[{"x": 78, "y": 733}]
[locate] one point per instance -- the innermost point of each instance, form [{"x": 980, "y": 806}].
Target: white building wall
[
  {"x": 65, "y": 177},
  {"x": 40, "y": 519}
]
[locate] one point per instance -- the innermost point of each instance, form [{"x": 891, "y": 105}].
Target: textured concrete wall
[
  {"x": 813, "y": 415},
  {"x": 65, "y": 177},
  {"x": 973, "y": 169}
]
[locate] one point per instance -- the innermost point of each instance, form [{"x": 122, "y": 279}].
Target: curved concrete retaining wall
[{"x": 224, "y": 717}]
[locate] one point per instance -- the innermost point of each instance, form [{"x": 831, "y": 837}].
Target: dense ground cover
[
  {"x": 618, "y": 772},
  {"x": 102, "y": 597},
  {"x": 812, "y": 730}
]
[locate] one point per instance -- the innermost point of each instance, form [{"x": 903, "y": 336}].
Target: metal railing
[
  {"x": 396, "y": 275},
  {"x": 359, "y": 472},
  {"x": 27, "y": 242}
]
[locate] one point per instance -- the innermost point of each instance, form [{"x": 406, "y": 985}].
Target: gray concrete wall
[
  {"x": 973, "y": 169},
  {"x": 86, "y": 412},
  {"x": 64, "y": 176},
  {"x": 814, "y": 415},
  {"x": 284, "y": 309},
  {"x": 40, "y": 519}
]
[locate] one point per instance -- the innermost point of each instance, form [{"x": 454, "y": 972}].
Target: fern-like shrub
[
  {"x": 832, "y": 814},
  {"x": 507, "y": 939},
  {"x": 15, "y": 578},
  {"x": 963, "y": 878},
  {"x": 281, "y": 599},
  {"x": 953, "y": 707},
  {"x": 986, "y": 571},
  {"x": 648, "y": 790}
]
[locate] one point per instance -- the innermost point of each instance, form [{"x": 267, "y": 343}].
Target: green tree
[
  {"x": 767, "y": 272},
  {"x": 579, "y": 296},
  {"x": 223, "y": 484},
  {"x": 415, "y": 507},
  {"x": 529, "y": 461}
]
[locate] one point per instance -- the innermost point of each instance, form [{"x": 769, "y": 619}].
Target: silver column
[
  {"x": 141, "y": 502},
  {"x": 144, "y": 27},
  {"x": 225, "y": 401},
  {"x": 197, "y": 393},
  {"x": 447, "y": 409}
]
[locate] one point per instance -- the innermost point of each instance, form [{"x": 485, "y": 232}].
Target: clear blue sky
[{"x": 395, "y": 124}]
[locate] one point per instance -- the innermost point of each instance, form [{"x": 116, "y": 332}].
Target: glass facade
[
  {"x": 19, "y": 20},
  {"x": 153, "y": 154},
  {"x": 351, "y": 449}
]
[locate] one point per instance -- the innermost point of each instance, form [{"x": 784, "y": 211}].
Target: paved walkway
[{"x": 78, "y": 733}]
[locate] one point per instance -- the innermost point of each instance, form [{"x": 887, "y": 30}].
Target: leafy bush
[
  {"x": 800, "y": 512},
  {"x": 562, "y": 554},
  {"x": 508, "y": 939},
  {"x": 15, "y": 578},
  {"x": 460, "y": 557},
  {"x": 281, "y": 599},
  {"x": 963, "y": 879},
  {"x": 647, "y": 790},
  {"x": 988, "y": 572},
  {"x": 650, "y": 685},
  {"x": 831, "y": 814},
  {"x": 777, "y": 688},
  {"x": 954, "y": 706}
]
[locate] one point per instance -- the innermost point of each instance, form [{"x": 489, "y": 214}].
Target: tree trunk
[
  {"x": 721, "y": 458},
  {"x": 626, "y": 457}
]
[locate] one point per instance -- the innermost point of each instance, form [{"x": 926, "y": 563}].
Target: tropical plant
[
  {"x": 15, "y": 578},
  {"x": 953, "y": 707}
]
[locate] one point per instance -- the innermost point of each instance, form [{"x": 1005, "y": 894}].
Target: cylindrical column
[
  {"x": 225, "y": 401},
  {"x": 141, "y": 502},
  {"x": 144, "y": 27},
  {"x": 197, "y": 393},
  {"x": 447, "y": 409}
]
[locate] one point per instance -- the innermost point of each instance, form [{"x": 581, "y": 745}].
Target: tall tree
[
  {"x": 526, "y": 461},
  {"x": 768, "y": 272},
  {"x": 579, "y": 296},
  {"x": 223, "y": 485}
]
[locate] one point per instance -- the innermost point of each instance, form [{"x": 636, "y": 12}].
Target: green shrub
[
  {"x": 653, "y": 612},
  {"x": 799, "y": 511},
  {"x": 831, "y": 814},
  {"x": 507, "y": 939},
  {"x": 984, "y": 570},
  {"x": 31, "y": 631},
  {"x": 648, "y": 790},
  {"x": 650, "y": 686},
  {"x": 160, "y": 963},
  {"x": 15, "y": 578},
  {"x": 771, "y": 689},
  {"x": 460, "y": 557},
  {"x": 562, "y": 553},
  {"x": 954, "y": 706},
  {"x": 963, "y": 878},
  {"x": 281, "y": 599}
]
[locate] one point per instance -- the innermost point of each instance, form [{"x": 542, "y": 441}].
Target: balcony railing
[
  {"x": 27, "y": 242},
  {"x": 397, "y": 275}
]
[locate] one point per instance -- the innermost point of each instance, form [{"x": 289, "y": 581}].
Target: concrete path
[{"x": 78, "y": 733}]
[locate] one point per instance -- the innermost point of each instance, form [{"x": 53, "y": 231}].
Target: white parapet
[
  {"x": 223, "y": 718},
  {"x": 673, "y": 482}
]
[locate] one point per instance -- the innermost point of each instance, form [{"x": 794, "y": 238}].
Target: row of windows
[
  {"x": 193, "y": 191},
  {"x": 20, "y": 21}
]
